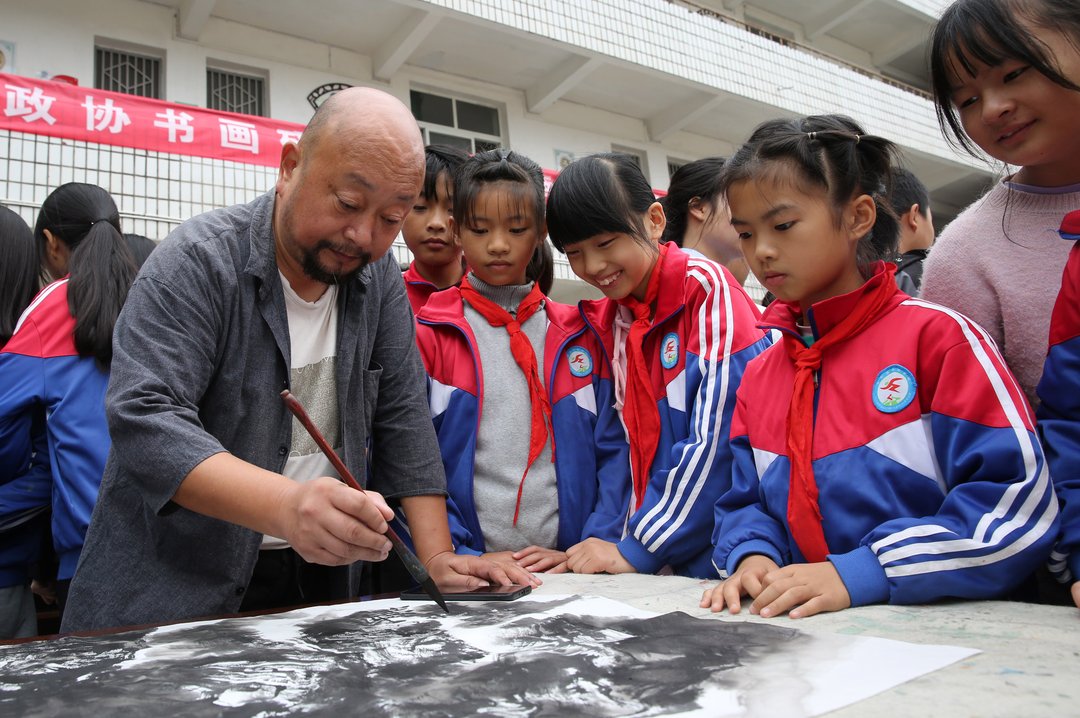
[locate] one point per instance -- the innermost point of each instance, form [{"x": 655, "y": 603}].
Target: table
[{"x": 1029, "y": 665}]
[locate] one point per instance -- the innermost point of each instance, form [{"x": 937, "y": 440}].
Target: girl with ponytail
[
  {"x": 883, "y": 452},
  {"x": 678, "y": 332},
  {"x": 54, "y": 370}
]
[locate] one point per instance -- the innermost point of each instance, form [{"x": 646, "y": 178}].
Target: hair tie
[
  {"x": 857, "y": 139},
  {"x": 812, "y": 135}
]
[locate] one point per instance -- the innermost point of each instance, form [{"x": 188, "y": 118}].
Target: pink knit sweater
[{"x": 1007, "y": 284}]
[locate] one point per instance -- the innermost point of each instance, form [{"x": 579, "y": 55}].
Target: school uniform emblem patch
[
  {"x": 669, "y": 350},
  {"x": 579, "y": 360},
  {"x": 894, "y": 389}
]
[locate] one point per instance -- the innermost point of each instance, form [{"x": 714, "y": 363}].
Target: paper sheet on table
[{"x": 541, "y": 655}]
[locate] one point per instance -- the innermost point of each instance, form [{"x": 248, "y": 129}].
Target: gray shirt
[
  {"x": 200, "y": 357},
  {"x": 502, "y": 440}
]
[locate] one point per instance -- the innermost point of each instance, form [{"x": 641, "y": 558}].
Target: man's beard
[{"x": 310, "y": 264}]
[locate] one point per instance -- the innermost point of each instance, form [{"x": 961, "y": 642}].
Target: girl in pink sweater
[{"x": 1006, "y": 81}]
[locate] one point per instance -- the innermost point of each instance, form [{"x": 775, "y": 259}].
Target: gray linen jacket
[{"x": 200, "y": 357}]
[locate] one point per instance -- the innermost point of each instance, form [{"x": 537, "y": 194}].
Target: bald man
[{"x": 214, "y": 500}]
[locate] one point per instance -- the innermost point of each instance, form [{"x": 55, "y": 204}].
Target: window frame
[
  {"x": 240, "y": 71},
  {"x": 146, "y": 52},
  {"x": 426, "y": 127}
]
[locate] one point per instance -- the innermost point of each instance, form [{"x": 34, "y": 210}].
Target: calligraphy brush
[{"x": 412, "y": 562}]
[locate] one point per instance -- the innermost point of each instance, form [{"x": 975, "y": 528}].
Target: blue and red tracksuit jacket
[
  {"x": 25, "y": 484},
  {"x": 417, "y": 288},
  {"x": 1059, "y": 408},
  {"x": 702, "y": 337},
  {"x": 591, "y": 455},
  {"x": 931, "y": 479},
  {"x": 42, "y": 375}
]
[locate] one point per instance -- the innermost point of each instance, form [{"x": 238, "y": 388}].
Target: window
[
  {"x": 135, "y": 72},
  {"x": 233, "y": 91},
  {"x": 459, "y": 123},
  {"x": 640, "y": 159},
  {"x": 673, "y": 166}
]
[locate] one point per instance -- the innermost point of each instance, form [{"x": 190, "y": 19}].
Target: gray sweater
[{"x": 502, "y": 443}]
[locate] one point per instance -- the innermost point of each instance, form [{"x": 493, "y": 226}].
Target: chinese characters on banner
[
  {"x": 57, "y": 109},
  {"x": 77, "y": 113}
]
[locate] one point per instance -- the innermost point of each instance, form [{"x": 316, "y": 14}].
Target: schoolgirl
[
  {"x": 55, "y": 368},
  {"x": 519, "y": 390},
  {"x": 883, "y": 452},
  {"x": 679, "y": 331},
  {"x": 1006, "y": 84}
]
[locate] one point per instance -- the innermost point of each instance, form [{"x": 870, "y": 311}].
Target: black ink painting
[{"x": 553, "y": 658}]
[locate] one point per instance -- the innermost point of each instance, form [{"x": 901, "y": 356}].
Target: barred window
[
  {"x": 673, "y": 166},
  {"x": 638, "y": 157},
  {"x": 235, "y": 92},
  {"x": 459, "y": 123},
  {"x": 128, "y": 72}
]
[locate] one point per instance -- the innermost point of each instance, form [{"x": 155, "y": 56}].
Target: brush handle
[
  {"x": 411, "y": 560},
  {"x": 300, "y": 413}
]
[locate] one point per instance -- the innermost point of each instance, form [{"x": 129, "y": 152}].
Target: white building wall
[
  {"x": 58, "y": 37},
  {"x": 298, "y": 67},
  {"x": 46, "y": 46},
  {"x": 670, "y": 39},
  {"x": 156, "y": 191},
  {"x": 930, "y": 8}
]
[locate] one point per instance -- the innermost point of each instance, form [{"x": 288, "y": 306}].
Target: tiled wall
[
  {"x": 154, "y": 191},
  {"x": 671, "y": 39},
  {"x": 933, "y": 8}
]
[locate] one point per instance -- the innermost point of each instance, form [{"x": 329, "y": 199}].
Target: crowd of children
[
  {"x": 854, "y": 444},
  {"x": 54, "y": 368}
]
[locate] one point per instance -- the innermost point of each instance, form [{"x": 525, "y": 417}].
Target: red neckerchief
[
  {"x": 640, "y": 413},
  {"x": 803, "y": 513},
  {"x": 525, "y": 357}
]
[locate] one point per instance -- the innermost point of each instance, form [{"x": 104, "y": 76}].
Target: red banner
[{"x": 58, "y": 109}]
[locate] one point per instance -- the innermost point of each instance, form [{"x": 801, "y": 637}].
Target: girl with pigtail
[
  {"x": 53, "y": 372},
  {"x": 520, "y": 393},
  {"x": 883, "y": 452}
]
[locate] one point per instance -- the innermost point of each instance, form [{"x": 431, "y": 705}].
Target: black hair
[
  {"x": 140, "y": 247},
  {"x": 990, "y": 32},
  {"x": 830, "y": 152},
  {"x": 541, "y": 268},
  {"x": 499, "y": 165},
  {"x": 598, "y": 194},
  {"x": 20, "y": 269},
  {"x": 700, "y": 180},
  {"x": 527, "y": 179},
  {"x": 439, "y": 159},
  {"x": 906, "y": 190},
  {"x": 101, "y": 269}
]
